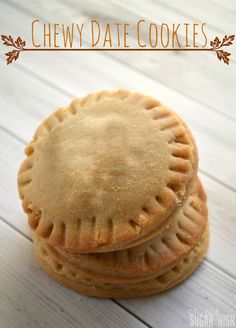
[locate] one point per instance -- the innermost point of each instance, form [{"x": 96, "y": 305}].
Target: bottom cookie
[{"x": 163, "y": 282}]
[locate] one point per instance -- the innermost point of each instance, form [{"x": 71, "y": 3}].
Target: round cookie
[{"x": 107, "y": 172}]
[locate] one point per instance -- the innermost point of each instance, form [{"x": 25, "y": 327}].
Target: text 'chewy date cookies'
[{"x": 111, "y": 192}]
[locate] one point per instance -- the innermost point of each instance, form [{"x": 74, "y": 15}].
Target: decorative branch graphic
[
  {"x": 19, "y": 46},
  {"x": 217, "y": 44}
]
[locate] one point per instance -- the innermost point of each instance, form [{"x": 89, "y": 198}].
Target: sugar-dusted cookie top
[{"x": 106, "y": 172}]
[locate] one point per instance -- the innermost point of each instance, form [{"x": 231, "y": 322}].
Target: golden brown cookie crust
[
  {"x": 107, "y": 171},
  {"x": 163, "y": 282},
  {"x": 146, "y": 260}
]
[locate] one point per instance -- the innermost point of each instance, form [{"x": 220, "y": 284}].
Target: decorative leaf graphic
[
  {"x": 8, "y": 40},
  {"x": 215, "y": 44},
  {"x": 19, "y": 43},
  {"x": 223, "y": 55},
  {"x": 12, "y": 55},
  {"x": 227, "y": 40}
]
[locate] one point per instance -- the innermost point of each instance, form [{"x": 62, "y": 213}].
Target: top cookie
[{"x": 107, "y": 172}]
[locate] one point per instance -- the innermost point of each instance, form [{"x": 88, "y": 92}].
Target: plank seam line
[
  {"x": 15, "y": 228},
  {"x": 115, "y": 59},
  {"x": 13, "y": 135},
  {"x": 221, "y": 6},
  {"x": 173, "y": 9},
  {"x": 218, "y": 267},
  {"x": 217, "y": 180},
  {"x": 131, "y": 313}
]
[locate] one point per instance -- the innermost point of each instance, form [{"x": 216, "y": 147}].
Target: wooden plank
[
  {"x": 26, "y": 101},
  {"x": 218, "y": 16},
  {"x": 29, "y": 298},
  {"x": 226, "y": 5},
  {"x": 221, "y": 200},
  {"x": 222, "y": 209},
  {"x": 208, "y": 289},
  {"x": 196, "y": 75}
]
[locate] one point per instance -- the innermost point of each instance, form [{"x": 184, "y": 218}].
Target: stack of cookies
[{"x": 112, "y": 195}]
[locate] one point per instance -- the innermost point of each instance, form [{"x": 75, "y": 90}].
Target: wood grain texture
[
  {"x": 183, "y": 67},
  {"x": 175, "y": 70},
  {"x": 29, "y": 298},
  {"x": 204, "y": 11}
]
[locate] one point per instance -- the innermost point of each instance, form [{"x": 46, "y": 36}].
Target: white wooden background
[{"x": 199, "y": 87}]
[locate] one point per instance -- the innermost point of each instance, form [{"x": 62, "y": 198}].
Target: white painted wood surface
[{"x": 38, "y": 83}]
